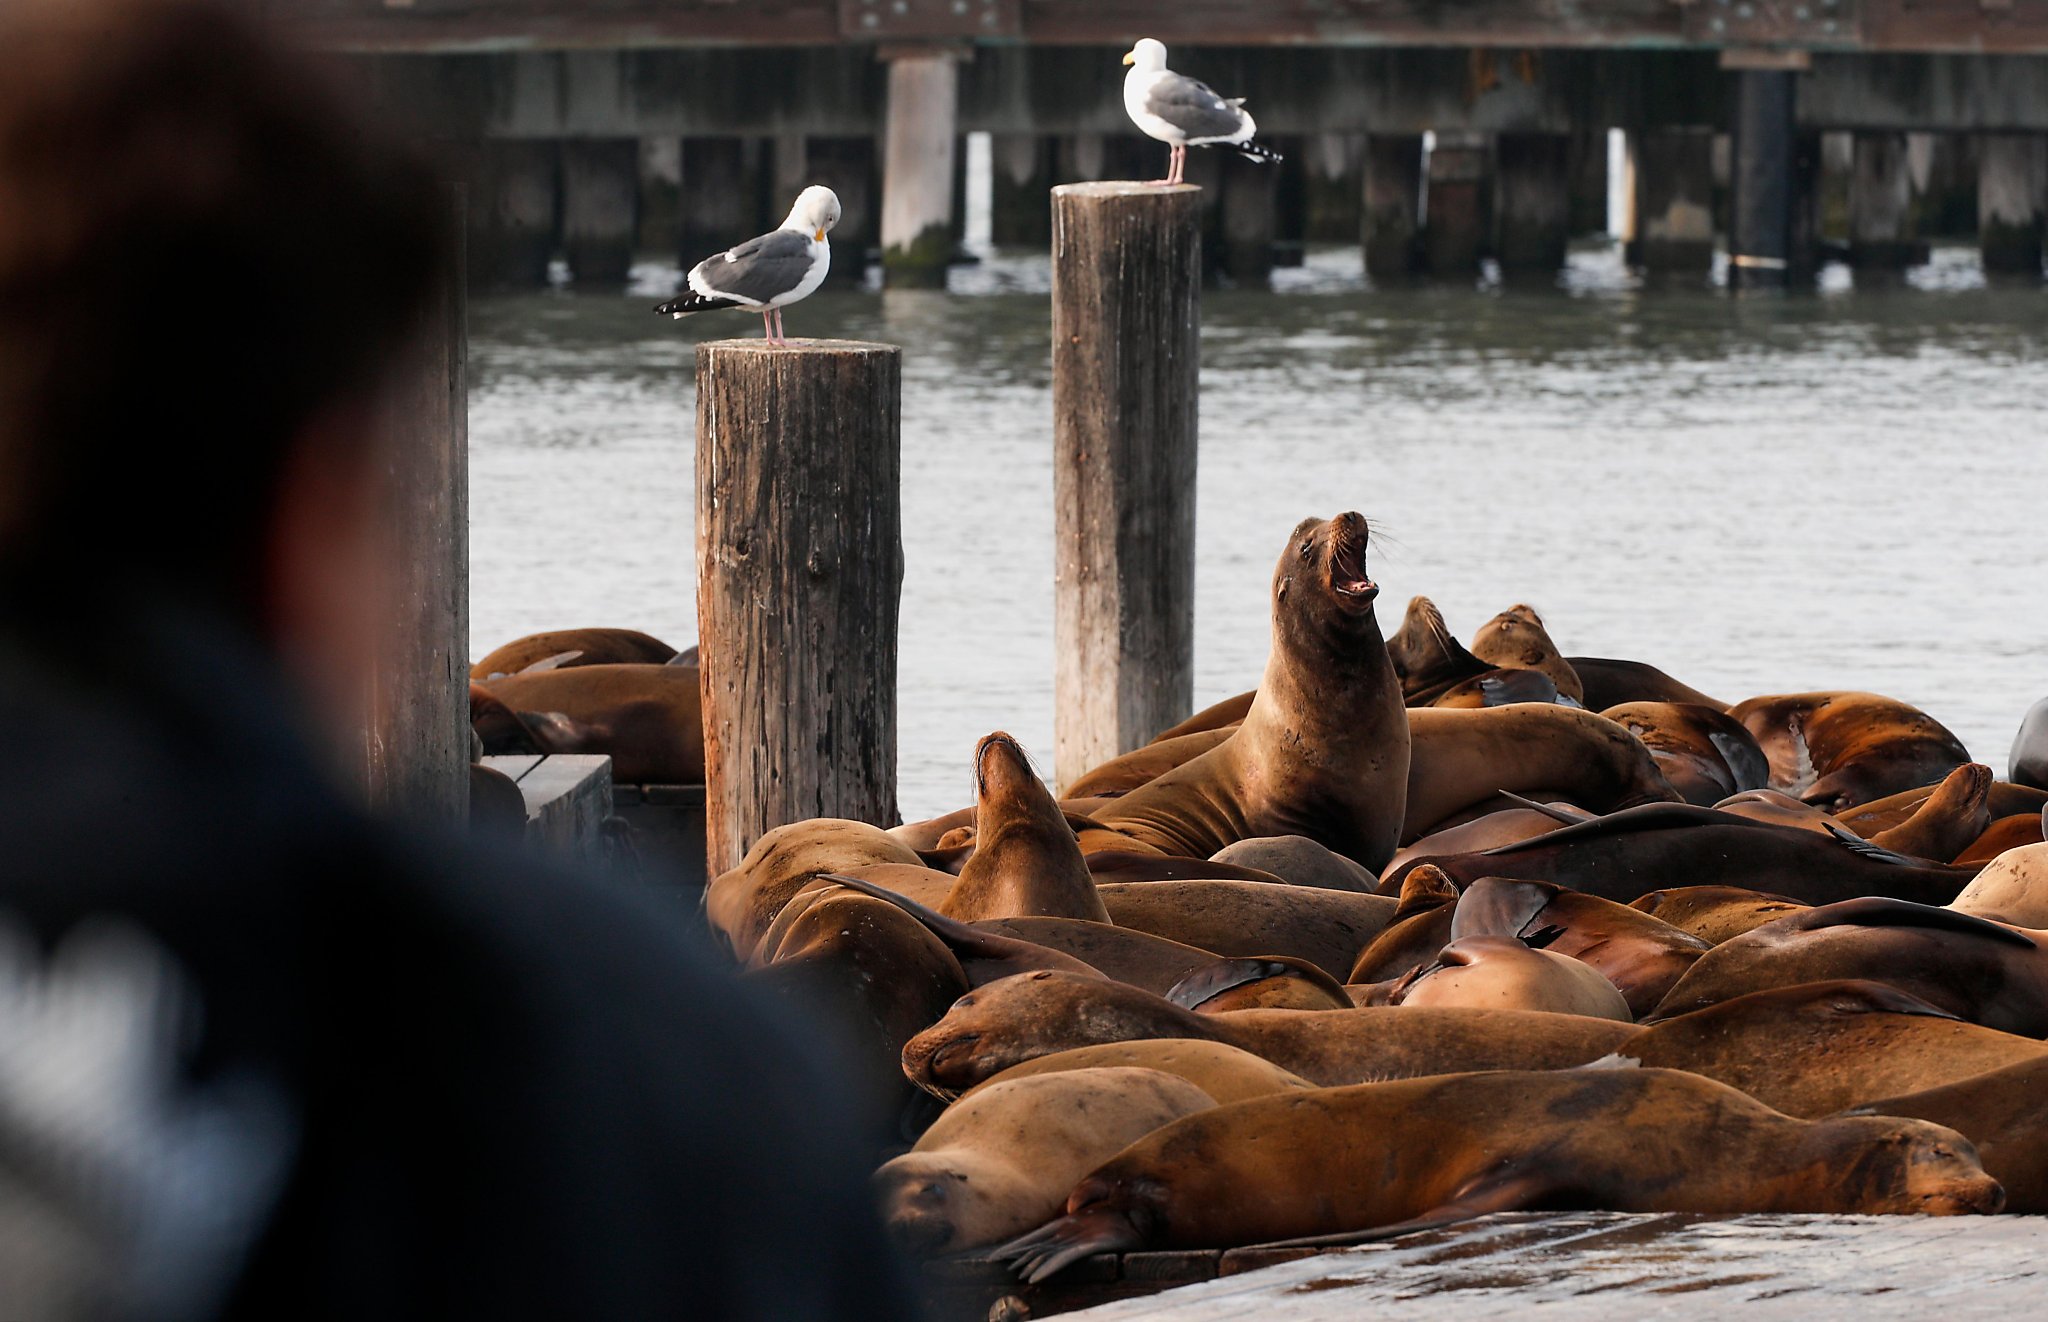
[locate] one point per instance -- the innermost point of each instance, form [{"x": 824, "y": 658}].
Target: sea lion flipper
[
  {"x": 1208, "y": 981},
  {"x": 1871, "y": 850},
  {"x": 1552, "y": 811},
  {"x": 1068, "y": 1239},
  {"x": 1880, "y": 911},
  {"x": 966, "y": 941}
]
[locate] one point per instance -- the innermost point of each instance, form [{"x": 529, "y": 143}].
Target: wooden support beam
[
  {"x": 1881, "y": 205},
  {"x": 514, "y": 217},
  {"x": 416, "y": 749},
  {"x": 1674, "y": 200},
  {"x": 1455, "y": 223},
  {"x": 799, "y": 578},
  {"x": 2012, "y": 196},
  {"x": 847, "y": 166},
  {"x": 724, "y": 195},
  {"x": 1022, "y": 168},
  {"x": 917, "y": 165},
  {"x": 1762, "y": 182},
  {"x": 1532, "y": 203},
  {"x": 1393, "y": 204},
  {"x": 1251, "y": 220},
  {"x": 600, "y": 208},
  {"x": 1126, "y": 311}
]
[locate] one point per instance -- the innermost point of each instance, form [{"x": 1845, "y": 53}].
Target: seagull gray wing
[
  {"x": 1193, "y": 107},
  {"x": 757, "y": 270}
]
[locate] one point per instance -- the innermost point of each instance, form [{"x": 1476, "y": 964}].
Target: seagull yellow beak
[
  {"x": 1130, "y": 57},
  {"x": 821, "y": 236}
]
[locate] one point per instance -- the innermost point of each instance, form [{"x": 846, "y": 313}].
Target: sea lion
[
  {"x": 1503, "y": 688},
  {"x": 1516, "y": 639},
  {"x": 1980, "y": 971},
  {"x": 1002, "y": 1161},
  {"x": 1036, "y": 1014},
  {"x": 741, "y": 903},
  {"x": 1323, "y": 751},
  {"x": 1145, "y": 764},
  {"x": 1627, "y": 854},
  {"x": 1489, "y": 831},
  {"x": 2012, "y": 888},
  {"x": 1299, "y": 861},
  {"x": 498, "y": 730},
  {"x": 1954, "y": 815},
  {"x": 1419, "y": 927},
  {"x": 1326, "y": 928},
  {"x": 1153, "y": 963},
  {"x": 2003, "y": 1112},
  {"x": 1837, "y": 750},
  {"x": 2014, "y": 832},
  {"x": 1640, "y": 956},
  {"x": 1814, "y": 1048},
  {"x": 2028, "y": 763},
  {"x": 592, "y": 647},
  {"x": 985, "y": 955},
  {"x": 1704, "y": 753},
  {"x": 1501, "y": 973},
  {"x": 1300, "y": 1169},
  {"x": 1261, "y": 983},
  {"x": 496, "y": 807},
  {"x": 1780, "y": 809},
  {"x": 1872, "y": 819},
  {"x": 1226, "y": 1073},
  {"x": 1715, "y": 913},
  {"x": 1230, "y": 711},
  {"x": 1610, "y": 683},
  {"x": 1464, "y": 757},
  {"x": 647, "y": 718},
  {"x": 1026, "y": 862},
  {"x": 1427, "y": 658}
]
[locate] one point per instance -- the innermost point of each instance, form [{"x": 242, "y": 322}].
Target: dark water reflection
[{"x": 1841, "y": 489}]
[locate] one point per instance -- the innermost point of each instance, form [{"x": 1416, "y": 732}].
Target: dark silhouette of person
[{"x": 261, "y": 1055}]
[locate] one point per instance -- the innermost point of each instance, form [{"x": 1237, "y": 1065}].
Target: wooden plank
[
  {"x": 568, "y": 798},
  {"x": 1614, "y": 1267},
  {"x": 514, "y": 765}
]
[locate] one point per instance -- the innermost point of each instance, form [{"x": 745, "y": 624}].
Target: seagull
[
  {"x": 1184, "y": 113},
  {"x": 767, "y": 274}
]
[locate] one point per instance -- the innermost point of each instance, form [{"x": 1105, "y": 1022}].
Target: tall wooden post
[
  {"x": 1126, "y": 311},
  {"x": 600, "y": 207},
  {"x": 1455, "y": 225},
  {"x": 799, "y": 576},
  {"x": 1674, "y": 199},
  {"x": 2012, "y": 197},
  {"x": 919, "y": 142},
  {"x": 416, "y": 747},
  {"x": 1533, "y": 203},
  {"x": 1881, "y": 204},
  {"x": 1393, "y": 204},
  {"x": 1763, "y": 178}
]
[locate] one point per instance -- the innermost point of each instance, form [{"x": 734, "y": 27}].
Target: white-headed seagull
[
  {"x": 767, "y": 274},
  {"x": 1184, "y": 113}
]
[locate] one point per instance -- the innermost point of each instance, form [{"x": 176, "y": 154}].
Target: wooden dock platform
[{"x": 1597, "y": 1266}]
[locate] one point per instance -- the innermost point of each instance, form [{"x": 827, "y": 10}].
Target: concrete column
[
  {"x": 1881, "y": 204},
  {"x": 1588, "y": 169},
  {"x": 1674, "y": 192},
  {"x": 1392, "y": 204},
  {"x": 600, "y": 207},
  {"x": 722, "y": 196},
  {"x": 919, "y": 145},
  {"x": 1020, "y": 206},
  {"x": 1455, "y": 228},
  {"x": 513, "y": 217},
  {"x": 1251, "y": 220},
  {"x": 1532, "y": 199},
  {"x": 1761, "y": 179},
  {"x": 2012, "y": 194}
]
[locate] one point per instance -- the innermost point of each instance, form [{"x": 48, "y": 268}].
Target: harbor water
[{"x": 1841, "y": 489}]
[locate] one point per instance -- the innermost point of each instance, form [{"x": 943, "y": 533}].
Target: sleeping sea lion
[
  {"x": 2003, "y": 1112},
  {"x": 1715, "y": 913},
  {"x": 1427, "y": 658},
  {"x": 1145, "y": 764},
  {"x": 1837, "y": 750},
  {"x": 1299, "y": 861},
  {"x": 1463, "y": 757},
  {"x": 647, "y": 718},
  {"x": 1705, "y": 753},
  {"x": 1642, "y": 957},
  {"x": 1501, "y": 973},
  {"x": 1418, "y": 929},
  {"x": 1261, "y": 983},
  {"x": 1326, "y": 928},
  {"x": 1226, "y": 1073},
  {"x": 1609, "y": 683},
  {"x": 2014, "y": 832},
  {"x": 1516, "y": 639},
  {"x": 741, "y": 903},
  {"x": 2012, "y": 888},
  {"x": 591, "y": 647}
]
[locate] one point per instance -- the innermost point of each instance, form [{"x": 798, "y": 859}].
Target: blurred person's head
[{"x": 207, "y": 260}]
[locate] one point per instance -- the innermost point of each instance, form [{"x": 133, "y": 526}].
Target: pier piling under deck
[
  {"x": 1455, "y": 228},
  {"x": 1393, "y": 204},
  {"x": 2012, "y": 195},
  {"x": 1126, "y": 300},
  {"x": 799, "y": 578},
  {"x": 1763, "y": 179},
  {"x": 1881, "y": 204},
  {"x": 920, "y": 142},
  {"x": 1533, "y": 200},
  {"x": 1674, "y": 200},
  {"x": 600, "y": 208}
]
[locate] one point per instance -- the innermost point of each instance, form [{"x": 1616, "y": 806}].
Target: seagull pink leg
[
  {"x": 768, "y": 324},
  {"x": 1171, "y": 152},
  {"x": 781, "y": 335}
]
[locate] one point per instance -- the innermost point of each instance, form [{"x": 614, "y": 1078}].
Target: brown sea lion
[
  {"x": 1230, "y": 711},
  {"x": 496, "y": 807},
  {"x": 1323, "y": 751},
  {"x": 1260, "y": 983},
  {"x": 1002, "y": 1161},
  {"x": 1226, "y": 1073},
  {"x": 1501, "y": 973},
  {"x": 1026, "y": 862},
  {"x": 1326, "y": 928},
  {"x": 1419, "y": 927},
  {"x": 1429, "y": 660},
  {"x": 985, "y": 955},
  {"x": 1610, "y": 683},
  {"x": 1980, "y": 971},
  {"x": 2014, "y": 832},
  {"x": 1464, "y": 757},
  {"x": 2005, "y": 799},
  {"x": 741, "y": 903},
  {"x": 1299, "y": 861},
  {"x": 1327, "y": 1166},
  {"x": 1502, "y": 688},
  {"x": 1627, "y": 854},
  {"x": 1814, "y": 1048},
  {"x": 1705, "y": 753},
  {"x": 1489, "y": 831},
  {"x": 1778, "y": 808},
  {"x": 500, "y": 731},
  {"x": 1516, "y": 639},
  {"x": 1715, "y": 913},
  {"x": 592, "y": 647},
  {"x": 2003, "y": 1112},
  {"x": 2028, "y": 763},
  {"x": 647, "y": 718},
  {"x": 924, "y": 836},
  {"x": 1837, "y": 750},
  {"x": 1954, "y": 815},
  {"x": 1113, "y": 866},
  {"x": 2012, "y": 888},
  {"x": 1142, "y": 766},
  {"x": 1036, "y": 1014},
  {"x": 1641, "y": 956}
]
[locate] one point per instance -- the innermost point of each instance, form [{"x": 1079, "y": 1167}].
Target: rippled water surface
[{"x": 1837, "y": 490}]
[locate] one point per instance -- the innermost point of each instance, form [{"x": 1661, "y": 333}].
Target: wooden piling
[
  {"x": 514, "y": 216},
  {"x": 1251, "y": 221},
  {"x": 1533, "y": 192},
  {"x": 799, "y": 577},
  {"x": 2012, "y": 196},
  {"x": 1762, "y": 180},
  {"x": 1455, "y": 224},
  {"x": 1674, "y": 199},
  {"x": 724, "y": 195},
  {"x": 1022, "y": 169},
  {"x": 1126, "y": 297},
  {"x": 416, "y": 745},
  {"x": 1881, "y": 204},
  {"x": 600, "y": 208},
  {"x": 1393, "y": 204},
  {"x": 921, "y": 141}
]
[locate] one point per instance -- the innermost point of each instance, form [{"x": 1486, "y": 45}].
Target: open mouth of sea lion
[{"x": 1348, "y": 579}]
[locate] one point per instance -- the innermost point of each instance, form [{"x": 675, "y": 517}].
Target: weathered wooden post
[
  {"x": 1765, "y": 192},
  {"x": 1881, "y": 204},
  {"x": 416, "y": 746},
  {"x": 799, "y": 574},
  {"x": 1674, "y": 199},
  {"x": 2012, "y": 197},
  {"x": 1455, "y": 221},
  {"x": 919, "y": 140},
  {"x": 1533, "y": 203},
  {"x": 1393, "y": 204},
  {"x": 600, "y": 207},
  {"x": 1126, "y": 311}
]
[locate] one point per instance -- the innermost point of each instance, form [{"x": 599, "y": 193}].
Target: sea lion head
[
  {"x": 1028, "y": 1015},
  {"x": 930, "y": 1205},
  {"x": 1322, "y": 573},
  {"x": 1915, "y": 1167}
]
